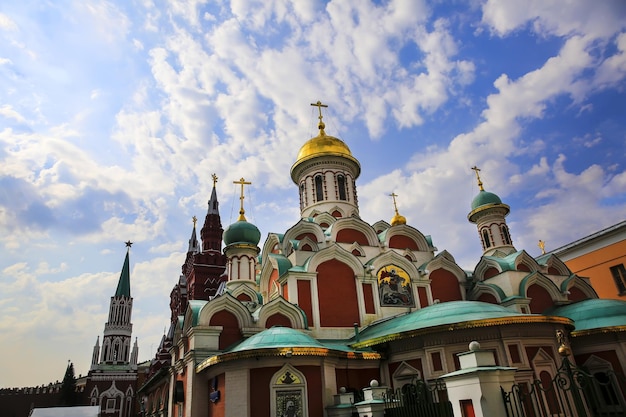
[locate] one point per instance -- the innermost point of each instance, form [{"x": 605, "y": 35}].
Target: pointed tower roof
[
  {"x": 213, "y": 203},
  {"x": 193, "y": 240},
  {"x": 123, "y": 285}
]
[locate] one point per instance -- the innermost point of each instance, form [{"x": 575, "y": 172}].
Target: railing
[
  {"x": 572, "y": 392},
  {"x": 418, "y": 399}
]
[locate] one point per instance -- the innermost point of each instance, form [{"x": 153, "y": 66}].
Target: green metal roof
[
  {"x": 277, "y": 337},
  {"x": 283, "y": 263},
  {"x": 484, "y": 198},
  {"x": 242, "y": 232},
  {"x": 449, "y": 313},
  {"x": 196, "y": 306},
  {"x": 123, "y": 285},
  {"x": 593, "y": 314}
]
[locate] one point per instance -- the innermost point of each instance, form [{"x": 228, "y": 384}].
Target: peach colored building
[{"x": 600, "y": 256}]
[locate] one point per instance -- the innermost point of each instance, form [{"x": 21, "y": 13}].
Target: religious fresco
[
  {"x": 394, "y": 287},
  {"x": 289, "y": 403}
]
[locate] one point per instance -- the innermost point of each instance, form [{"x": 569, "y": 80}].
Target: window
[
  {"x": 319, "y": 190},
  {"x": 341, "y": 185},
  {"x": 110, "y": 405},
  {"x": 619, "y": 276},
  {"x": 505, "y": 234},
  {"x": 486, "y": 239}
]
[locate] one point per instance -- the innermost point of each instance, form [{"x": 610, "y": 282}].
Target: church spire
[
  {"x": 211, "y": 232},
  {"x": 193, "y": 240},
  {"x": 123, "y": 285}
]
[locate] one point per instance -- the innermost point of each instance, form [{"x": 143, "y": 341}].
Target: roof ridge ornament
[
  {"x": 242, "y": 182},
  {"x": 480, "y": 183},
  {"x": 321, "y": 124}
]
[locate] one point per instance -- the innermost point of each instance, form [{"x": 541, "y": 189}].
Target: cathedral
[{"x": 329, "y": 305}]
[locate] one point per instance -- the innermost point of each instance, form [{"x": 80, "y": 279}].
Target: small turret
[{"x": 488, "y": 213}]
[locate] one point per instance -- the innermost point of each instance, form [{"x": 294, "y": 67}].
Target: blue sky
[{"x": 114, "y": 114}]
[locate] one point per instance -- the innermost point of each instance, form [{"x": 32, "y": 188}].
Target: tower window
[
  {"x": 341, "y": 187},
  {"x": 319, "y": 190},
  {"x": 505, "y": 234},
  {"x": 486, "y": 240},
  {"x": 302, "y": 195},
  {"x": 619, "y": 276}
]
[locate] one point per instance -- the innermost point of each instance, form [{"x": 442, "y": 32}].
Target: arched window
[
  {"x": 341, "y": 187},
  {"x": 302, "y": 195},
  {"x": 486, "y": 240},
  {"x": 505, "y": 234},
  {"x": 319, "y": 188}
]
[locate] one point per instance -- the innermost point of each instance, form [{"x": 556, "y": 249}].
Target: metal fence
[{"x": 418, "y": 399}]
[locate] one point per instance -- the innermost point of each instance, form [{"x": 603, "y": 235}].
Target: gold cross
[
  {"x": 241, "y": 182},
  {"x": 395, "y": 206},
  {"x": 480, "y": 183},
  {"x": 214, "y": 179},
  {"x": 319, "y": 106},
  {"x": 194, "y": 219}
]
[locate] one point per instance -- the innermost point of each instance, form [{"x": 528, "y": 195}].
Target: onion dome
[
  {"x": 397, "y": 218},
  {"x": 242, "y": 232},
  {"x": 485, "y": 200},
  {"x": 323, "y": 145}
]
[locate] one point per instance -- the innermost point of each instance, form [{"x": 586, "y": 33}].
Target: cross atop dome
[
  {"x": 321, "y": 124},
  {"x": 242, "y": 182},
  {"x": 480, "y": 183}
]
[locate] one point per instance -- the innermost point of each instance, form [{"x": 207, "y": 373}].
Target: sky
[{"x": 114, "y": 115}]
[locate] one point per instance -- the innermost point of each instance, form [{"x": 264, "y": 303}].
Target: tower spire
[
  {"x": 243, "y": 182},
  {"x": 123, "y": 285}
]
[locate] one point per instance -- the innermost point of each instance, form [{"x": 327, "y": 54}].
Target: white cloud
[{"x": 551, "y": 18}]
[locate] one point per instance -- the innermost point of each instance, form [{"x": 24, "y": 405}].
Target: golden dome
[
  {"x": 322, "y": 145},
  {"x": 398, "y": 219}
]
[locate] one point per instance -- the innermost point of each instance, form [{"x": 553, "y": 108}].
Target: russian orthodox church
[
  {"x": 334, "y": 303},
  {"x": 112, "y": 380}
]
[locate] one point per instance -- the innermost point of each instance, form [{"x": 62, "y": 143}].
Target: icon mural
[
  {"x": 394, "y": 287},
  {"x": 289, "y": 403}
]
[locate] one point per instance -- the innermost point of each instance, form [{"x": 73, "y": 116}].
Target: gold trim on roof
[
  {"x": 464, "y": 325},
  {"x": 285, "y": 352},
  {"x": 489, "y": 206},
  {"x": 601, "y": 330}
]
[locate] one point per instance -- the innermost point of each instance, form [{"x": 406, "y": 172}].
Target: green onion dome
[{"x": 242, "y": 232}]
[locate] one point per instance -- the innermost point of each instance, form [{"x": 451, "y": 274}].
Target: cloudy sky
[{"x": 114, "y": 114}]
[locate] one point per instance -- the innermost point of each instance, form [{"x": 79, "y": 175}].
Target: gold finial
[
  {"x": 397, "y": 218},
  {"x": 395, "y": 206},
  {"x": 194, "y": 219},
  {"x": 560, "y": 338},
  {"x": 480, "y": 183},
  {"x": 542, "y": 246},
  {"x": 321, "y": 124},
  {"x": 214, "y": 177},
  {"x": 241, "y": 210}
]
